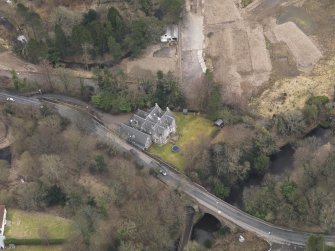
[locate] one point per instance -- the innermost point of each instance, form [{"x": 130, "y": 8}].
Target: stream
[
  {"x": 281, "y": 164},
  {"x": 5, "y": 154}
]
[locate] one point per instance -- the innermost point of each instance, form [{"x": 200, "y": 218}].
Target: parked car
[{"x": 10, "y": 99}]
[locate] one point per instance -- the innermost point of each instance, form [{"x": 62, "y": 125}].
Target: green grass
[
  {"x": 38, "y": 248},
  {"x": 189, "y": 128},
  {"x": 27, "y": 225}
]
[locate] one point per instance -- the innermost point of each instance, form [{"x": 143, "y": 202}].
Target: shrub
[{"x": 208, "y": 243}]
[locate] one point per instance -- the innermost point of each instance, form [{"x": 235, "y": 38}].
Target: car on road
[
  {"x": 162, "y": 172},
  {"x": 10, "y": 99}
]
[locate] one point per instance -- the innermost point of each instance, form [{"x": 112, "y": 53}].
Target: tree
[
  {"x": 80, "y": 35},
  {"x": 60, "y": 41},
  {"x": 89, "y": 17},
  {"x": 287, "y": 189},
  {"x": 315, "y": 243},
  {"x": 99, "y": 167},
  {"x": 31, "y": 196},
  {"x": 28, "y": 167},
  {"x": 171, "y": 10},
  {"x": 4, "y": 171},
  {"x": 18, "y": 83},
  {"x": 261, "y": 164},
  {"x": 290, "y": 123},
  {"x": 143, "y": 32},
  {"x": 146, "y": 6},
  {"x": 114, "y": 48},
  {"x": 34, "y": 51},
  {"x": 55, "y": 196},
  {"x": 53, "y": 169},
  {"x": 214, "y": 102},
  {"x": 168, "y": 91},
  {"x": 117, "y": 23}
]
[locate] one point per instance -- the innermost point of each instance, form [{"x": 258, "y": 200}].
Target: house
[
  {"x": 171, "y": 34},
  {"x": 3, "y": 213},
  {"x": 145, "y": 128}
]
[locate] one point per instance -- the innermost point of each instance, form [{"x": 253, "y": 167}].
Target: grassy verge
[
  {"x": 39, "y": 248},
  {"x": 33, "y": 241},
  {"x": 32, "y": 225},
  {"x": 189, "y": 127}
]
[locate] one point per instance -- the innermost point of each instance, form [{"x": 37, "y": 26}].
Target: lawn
[
  {"x": 189, "y": 128},
  {"x": 27, "y": 225},
  {"x": 39, "y": 248}
]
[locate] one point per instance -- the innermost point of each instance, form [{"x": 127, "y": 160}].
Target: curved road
[{"x": 263, "y": 229}]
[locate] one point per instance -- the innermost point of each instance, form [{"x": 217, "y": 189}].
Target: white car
[
  {"x": 10, "y": 99},
  {"x": 163, "y": 172}
]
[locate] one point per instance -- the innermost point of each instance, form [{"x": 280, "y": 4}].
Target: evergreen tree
[{"x": 60, "y": 41}]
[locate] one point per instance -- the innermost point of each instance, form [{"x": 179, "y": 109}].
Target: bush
[
  {"x": 224, "y": 230},
  {"x": 287, "y": 189},
  {"x": 261, "y": 164},
  {"x": 318, "y": 100},
  {"x": 208, "y": 243}
]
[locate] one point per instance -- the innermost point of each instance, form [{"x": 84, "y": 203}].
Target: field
[
  {"x": 189, "y": 128},
  {"x": 28, "y": 225}
]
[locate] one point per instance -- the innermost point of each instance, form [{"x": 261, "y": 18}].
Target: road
[{"x": 178, "y": 181}]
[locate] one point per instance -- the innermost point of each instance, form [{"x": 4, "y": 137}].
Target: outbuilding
[
  {"x": 219, "y": 123},
  {"x": 171, "y": 34}
]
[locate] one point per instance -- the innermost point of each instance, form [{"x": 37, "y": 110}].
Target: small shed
[
  {"x": 219, "y": 123},
  {"x": 171, "y": 34},
  {"x": 22, "y": 39}
]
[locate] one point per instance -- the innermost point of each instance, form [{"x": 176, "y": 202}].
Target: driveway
[
  {"x": 192, "y": 42},
  {"x": 2, "y": 241}
]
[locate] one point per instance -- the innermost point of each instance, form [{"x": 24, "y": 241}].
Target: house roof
[
  {"x": 134, "y": 135},
  {"x": 143, "y": 125},
  {"x": 2, "y": 212}
]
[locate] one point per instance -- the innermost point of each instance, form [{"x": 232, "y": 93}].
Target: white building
[
  {"x": 3, "y": 213},
  {"x": 171, "y": 34}
]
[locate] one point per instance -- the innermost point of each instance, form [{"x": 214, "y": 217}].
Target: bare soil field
[
  {"x": 286, "y": 80},
  {"x": 9, "y": 61},
  {"x": 150, "y": 63},
  {"x": 236, "y": 49},
  {"x": 305, "y": 53}
]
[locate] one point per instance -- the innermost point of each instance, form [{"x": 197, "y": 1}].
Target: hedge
[{"x": 33, "y": 241}]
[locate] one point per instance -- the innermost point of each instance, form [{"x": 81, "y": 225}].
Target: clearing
[
  {"x": 189, "y": 128},
  {"x": 27, "y": 225}
]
